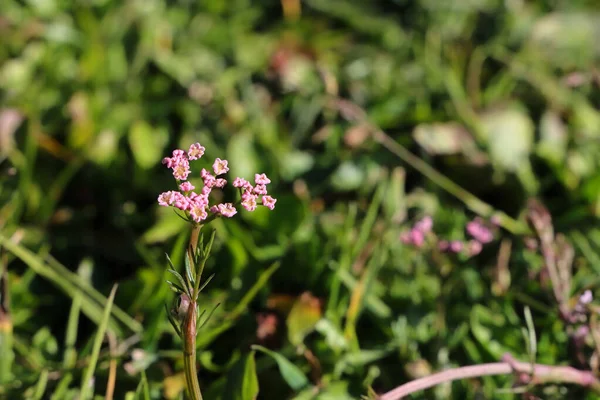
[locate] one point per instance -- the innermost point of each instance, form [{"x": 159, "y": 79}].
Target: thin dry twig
[
  {"x": 541, "y": 374},
  {"x": 112, "y": 367}
]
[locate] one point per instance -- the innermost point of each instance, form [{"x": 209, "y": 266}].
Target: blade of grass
[
  {"x": 92, "y": 303},
  {"x": 344, "y": 264},
  {"x": 89, "y": 371},
  {"x": 359, "y": 294},
  {"x": 40, "y": 388},
  {"x": 373, "y": 303},
  {"x": 367, "y": 226},
  {"x": 6, "y": 324},
  {"x": 142, "y": 391},
  {"x": 207, "y": 337}
]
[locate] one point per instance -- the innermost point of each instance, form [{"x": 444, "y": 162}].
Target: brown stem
[
  {"x": 541, "y": 374},
  {"x": 189, "y": 353},
  {"x": 194, "y": 238}
]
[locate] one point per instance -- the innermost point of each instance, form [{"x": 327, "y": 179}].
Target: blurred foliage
[{"x": 501, "y": 97}]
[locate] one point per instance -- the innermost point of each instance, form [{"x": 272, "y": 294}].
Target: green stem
[
  {"x": 189, "y": 353},
  {"x": 472, "y": 202}
]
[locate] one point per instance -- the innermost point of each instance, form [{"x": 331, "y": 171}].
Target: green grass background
[{"x": 492, "y": 102}]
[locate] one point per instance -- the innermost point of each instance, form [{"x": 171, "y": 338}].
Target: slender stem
[
  {"x": 539, "y": 375},
  {"x": 189, "y": 353},
  {"x": 200, "y": 268},
  {"x": 194, "y": 238},
  {"x": 189, "y": 328}
]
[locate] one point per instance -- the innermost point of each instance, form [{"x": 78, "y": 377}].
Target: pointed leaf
[
  {"x": 91, "y": 368},
  {"x": 188, "y": 270},
  {"x": 209, "y": 315},
  {"x": 242, "y": 382},
  {"x": 180, "y": 279},
  {"x": 173, "y": 322},
  {"x": 206, "y": 282},
  {"x": 175, "y": 287},
  {"x": 290, "y": 373}
]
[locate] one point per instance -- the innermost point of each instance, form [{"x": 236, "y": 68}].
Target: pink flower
[
  {"x": 249, "y": 202},
  {"x": 405, "y": 237},
  {"x": 169, "y": 162},
  {"x": 198, "y": 212},
  {"x": 455, "y": 246},
  {"x": 196, "y": 151},
  {"x": 260, "y": 189},
  {"x": 200, "y": 200},
  {"x": 424, "y": 225},
  {"x": 479, "y": 231},
  {"x": 178, "y": 153},
  {"x": 227, "y": 210},
  {"x": 220, "y": 166},
  {"x": 417, "y": 237},
  {"x": 186, "y": 187},
  {"x": 220, "y": 183},
  {"x": 210, "y": 181},
  {"x": 206, "y": 190},
  {"x": 181, "y": 169},
  {"x": 181, "y": 202},
  {"x": 269, "y": 202},
  {"x": 242, "y": 183},
  {"x": 474, "y": 247},
  {"x": 167, "y": 198},
  {"x": 261, "y": 179},
  {"x": 204, "y": 173}
]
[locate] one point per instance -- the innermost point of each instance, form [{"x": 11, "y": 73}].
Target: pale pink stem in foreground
[{"x": 541, "y": 374}]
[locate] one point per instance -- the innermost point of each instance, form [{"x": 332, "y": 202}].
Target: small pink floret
[
  {"x": 474, "y": 247},
  {"x": 424, "y": 225},
  {"x": 269, "y": 202},
  {"x": 167, "y": 198},
  {"x": 249, "y": 202},
  {"x": 479, "y": 231},
  {"x": 220, "y": 166},
  {"x": 260, "y": 189},
  {"x": 186, "y": 187},
  {"x": 198, "y": 212},
  {"x": 456, "y": 246},
  {"x": 227, "y": 210},
  {"x": 196, "y": 151},
  {"x": 220, "y": 182},
  {"x": 261, "y": 179}
]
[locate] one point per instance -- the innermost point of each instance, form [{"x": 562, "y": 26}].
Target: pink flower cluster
[
  {"x": 480, "y": 233},
  {"x": 416, "y": 236},
  {"x": 196, "y": 205}
]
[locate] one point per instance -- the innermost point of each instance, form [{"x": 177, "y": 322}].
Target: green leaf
[
  {"x": 348, "y": 176},
  {"x": 143, "y": 391},
  {"x": 509, "y": 136},
  {"x": 290, "y": 373},
  {"x": 147, "y": 144},
  {"x": 303, "y": 318},
  {"x": 553, "y": 138},
  {"x": 242, "y": 382},
  {"x": 180, "y": 279},
  {"x": 89, "y": 371}
]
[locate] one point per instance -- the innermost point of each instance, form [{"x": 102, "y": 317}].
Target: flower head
[
  {"x": 196, "y": 151},
  {"x": 261, "y": 179},
  {"x": 186, "y": 187},
  {"x": 220, "y": 166},
  {"x": 479, "y": 231},
  {"x": 227, "y": 210},
  {"x": 196, "y": 206},
  {"x": 269, "y": 202}
]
